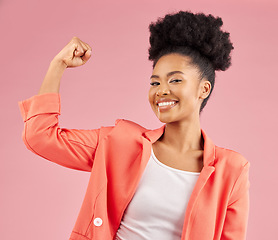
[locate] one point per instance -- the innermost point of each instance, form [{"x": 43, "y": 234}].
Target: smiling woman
[
  {"x": 176, "y": 83},
  {"x": 169, "y": 183}
]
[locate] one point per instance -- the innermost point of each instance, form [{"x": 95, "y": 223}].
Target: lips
[
  {"x": 167, "y": 100},
  {"x": 165, "y": 104}
]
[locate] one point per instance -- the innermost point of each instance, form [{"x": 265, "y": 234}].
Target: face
[{"x": 176, "y": 92}]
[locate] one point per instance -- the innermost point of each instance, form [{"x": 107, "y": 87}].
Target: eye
[
  {"x": 154, "y": 83},
  {"x": 175, "y": 80}
]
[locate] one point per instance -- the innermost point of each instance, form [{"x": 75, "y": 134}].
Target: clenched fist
[{"x": 75, "y": 53}]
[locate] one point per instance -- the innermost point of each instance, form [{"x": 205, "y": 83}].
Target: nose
[{"x": 163, "y": 90}]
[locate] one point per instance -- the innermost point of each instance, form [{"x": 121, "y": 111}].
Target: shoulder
[
  {"x": 230, "y": 160},
  {"x": 233, "y": 170}
]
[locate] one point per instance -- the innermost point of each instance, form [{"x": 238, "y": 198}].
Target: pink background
[{"x": 41, "y": 200}]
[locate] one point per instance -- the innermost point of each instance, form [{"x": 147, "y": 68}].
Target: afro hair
[{"x": 198, "y": 32}]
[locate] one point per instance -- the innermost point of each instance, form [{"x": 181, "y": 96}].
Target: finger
[
  {"x": 72, "y": 51},
  {"x": 88, "y": 46},
  {"x": 79, "y": 51},
  {"x": 87, "y": 52},
  {"x": 85, "y": 47},
  {"x": 86, "y": 56}
]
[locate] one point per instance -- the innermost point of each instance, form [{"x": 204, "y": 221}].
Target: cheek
[
  {"x": 151, "y": 96},
  {"x": 185, "y": 97}
]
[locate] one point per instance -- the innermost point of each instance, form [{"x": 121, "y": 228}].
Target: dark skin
[
  {"x": 176, "y": 81},
  {"x": 181, "y": 145}
]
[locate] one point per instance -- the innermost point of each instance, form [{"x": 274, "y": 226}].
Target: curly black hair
[{"x": 195, "y": 35}]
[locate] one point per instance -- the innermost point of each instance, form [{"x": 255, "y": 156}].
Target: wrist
[{"x": 58, "y": 64}]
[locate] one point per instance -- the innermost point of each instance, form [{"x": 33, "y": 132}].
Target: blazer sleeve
[
  {"x": 235, "y": 226},
  {"x": 72, "y": 148}
]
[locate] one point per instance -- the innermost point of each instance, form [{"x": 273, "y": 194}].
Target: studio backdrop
[{"x": 40, "y": 199}]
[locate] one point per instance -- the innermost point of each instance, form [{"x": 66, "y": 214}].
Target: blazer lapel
[{"x": 208, "y": 169}]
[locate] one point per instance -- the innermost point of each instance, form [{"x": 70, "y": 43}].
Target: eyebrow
[{"x": 168, "y": 74}]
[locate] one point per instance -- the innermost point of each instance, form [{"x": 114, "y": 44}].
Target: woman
[{"x": 167, "y": 183}]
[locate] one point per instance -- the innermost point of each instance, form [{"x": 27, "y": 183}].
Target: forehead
[{"x": 174, "y": 62}]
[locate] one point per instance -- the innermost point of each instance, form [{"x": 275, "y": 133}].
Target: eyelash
[{"x": 156, "y": 83}]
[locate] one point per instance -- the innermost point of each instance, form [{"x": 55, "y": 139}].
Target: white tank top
[{"x": 158, "y": 206}]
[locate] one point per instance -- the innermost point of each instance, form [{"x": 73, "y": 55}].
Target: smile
[
  {"x": 165, "y": 106},
  {"x": 165, "y": 103}
]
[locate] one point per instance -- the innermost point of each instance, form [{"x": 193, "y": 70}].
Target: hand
[{"x": 74, "y": 54}]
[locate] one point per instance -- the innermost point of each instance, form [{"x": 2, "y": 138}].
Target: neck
[{"x": 183, "y": 136}]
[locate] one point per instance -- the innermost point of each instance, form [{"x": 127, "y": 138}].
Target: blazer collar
[{"x": 209, "y": 146}]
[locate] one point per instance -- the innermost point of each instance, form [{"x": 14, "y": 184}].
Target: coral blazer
[{"x": 116, "y": 156}]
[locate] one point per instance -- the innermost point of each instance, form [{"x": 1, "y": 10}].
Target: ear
[{"x": 205, "y": 88}]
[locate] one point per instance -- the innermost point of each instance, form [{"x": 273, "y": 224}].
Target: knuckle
[{"x": 75, "y": 39}]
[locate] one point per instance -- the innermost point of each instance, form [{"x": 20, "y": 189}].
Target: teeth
[{"x": 165, "y": 104}]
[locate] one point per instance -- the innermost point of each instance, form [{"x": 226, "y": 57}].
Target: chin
[{"x": 166, "y": 120}]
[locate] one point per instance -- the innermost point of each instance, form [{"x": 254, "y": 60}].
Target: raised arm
[
  {"x": 42, "y": 135},
  {"x": 74, "y": 54}
]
